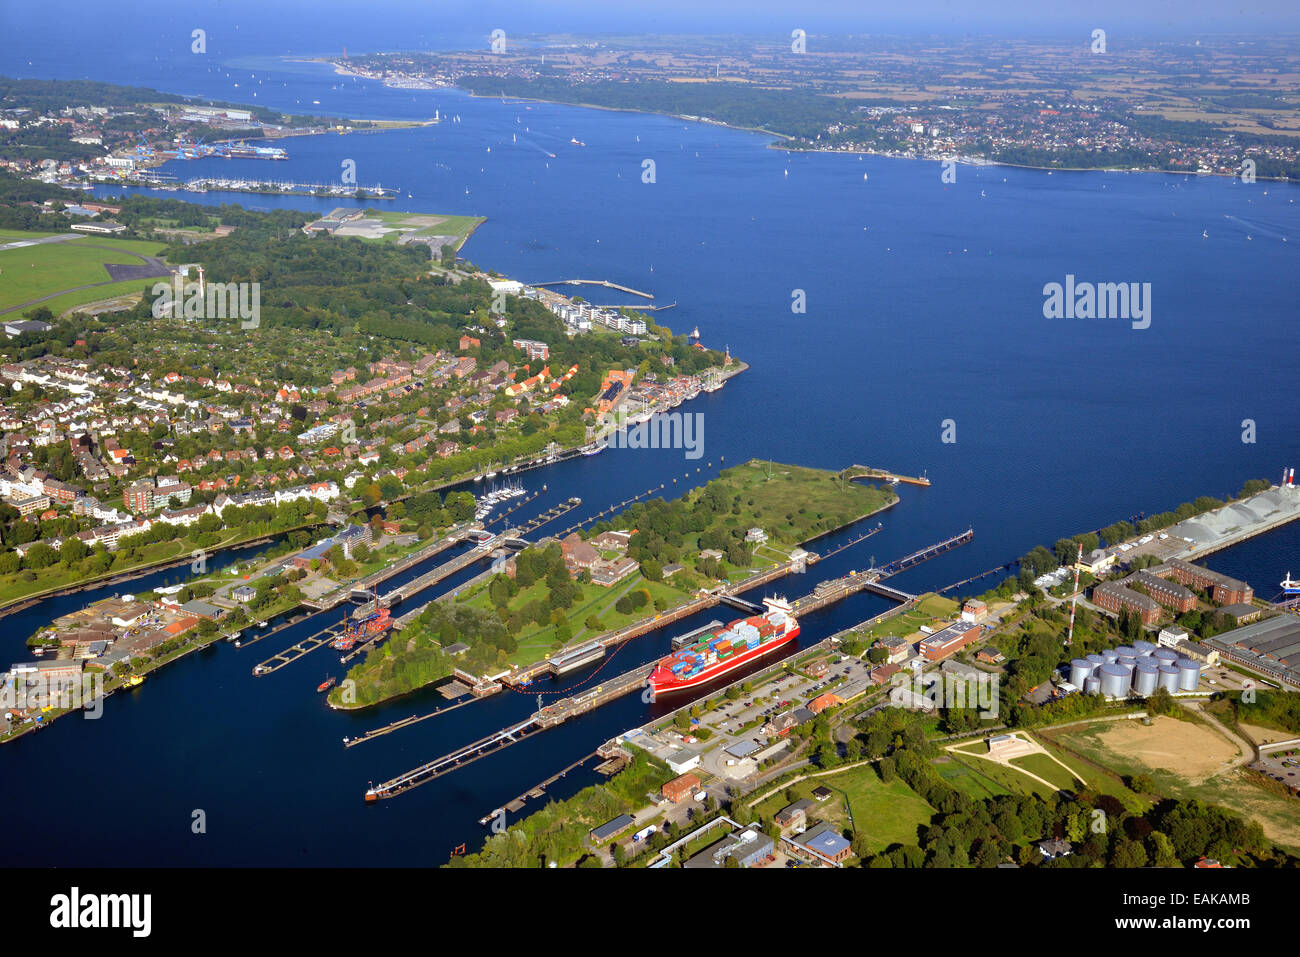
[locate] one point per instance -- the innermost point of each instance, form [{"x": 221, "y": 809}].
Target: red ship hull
[{"x": 663, "y": 681}]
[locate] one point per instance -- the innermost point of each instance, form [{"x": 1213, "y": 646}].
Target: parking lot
[
  {"x": 737, "y": 724},
  {"x": 1283, "y": 766}
]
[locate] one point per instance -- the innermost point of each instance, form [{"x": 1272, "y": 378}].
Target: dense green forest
[{"x": 52, "y": 95}]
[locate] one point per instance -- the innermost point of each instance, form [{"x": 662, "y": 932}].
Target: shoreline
[{"x": 783, "y": 138}]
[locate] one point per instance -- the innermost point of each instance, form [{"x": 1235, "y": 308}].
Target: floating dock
[{"x": 576, "y": 658}]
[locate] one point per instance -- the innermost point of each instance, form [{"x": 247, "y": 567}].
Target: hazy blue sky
[{"x": 325, "y": 24}]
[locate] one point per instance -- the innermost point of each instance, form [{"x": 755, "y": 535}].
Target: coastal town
[
  {"x": 388, "y": 532},
  {"x": 113, "y": 469},
  {"x": 1063, "y": 108}
]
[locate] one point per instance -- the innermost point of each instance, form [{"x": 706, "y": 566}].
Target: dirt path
[{"x": 1247, "y": 750}]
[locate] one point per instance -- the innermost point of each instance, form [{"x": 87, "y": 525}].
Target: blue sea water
[{"x": 924, "y": 304}]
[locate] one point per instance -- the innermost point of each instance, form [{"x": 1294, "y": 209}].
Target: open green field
[
  {"x": 113, "y": 290},
  {"x": 1010, "y": 780},
  {"x": 793, "y": 504},
  {"x": 34, "y": 272},
  {"x": 537, "y": 641},
  {"x": 889, "y": 813},
  {"x": 928, "y": 609},
  {"x": 431, "y": 225},
  {"x": 1096, "y": 778},
  {"x": 9, "y": 235},
  {"x": 1048, "y": 770},
  {"x": 967, "y": 779}
]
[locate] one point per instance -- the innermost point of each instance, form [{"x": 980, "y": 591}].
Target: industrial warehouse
[{"x": 1270, "y": 647}]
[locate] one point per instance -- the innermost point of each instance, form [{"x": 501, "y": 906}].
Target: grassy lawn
[
  {"x": 1099, "y": 779},
  {"x": 536, "y": 641},
  {"x": 9, "y": 235},
  {"x": 141, "y": 247},
  {"x": 793, "y": 504},
  {"x": 1048, "y": 770},
  {"x": 887, "y": 813},
  {"x": 1013, "y": 782},
  {"x": 115, "y": 290},
  {"x": 928, "y": 609},
  {"x": 36, "y": 271},
  {"x": 422, "y": 225},
  {"x": 968, "y": 779}
]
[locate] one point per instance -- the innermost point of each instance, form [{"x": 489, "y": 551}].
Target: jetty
[{"x": 869, "y": 472}]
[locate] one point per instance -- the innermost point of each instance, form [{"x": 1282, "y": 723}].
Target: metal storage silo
[
  {"x": 1093, "y": 685},
  {"x": 1080, "y": 672},
  {"x": 1146, "y": 677},
  {"x": 1115, "y": 681},
  {"x": 1110, "y": 655},
  {"x": 1144, "y": 648},
  {"x": 1168, "y": 678},
  {"x": 1189, "y": 674},
  {"x": 1166, "y": 655},
  {"x": 1128, "y": 661},
  {"x": 1096, "y": 661},
  {"x": 1128, "y": 650}
]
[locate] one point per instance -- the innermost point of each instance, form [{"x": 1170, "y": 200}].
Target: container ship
[{"x": 719, "y": 652}]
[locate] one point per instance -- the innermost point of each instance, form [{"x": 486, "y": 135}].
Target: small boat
[
  {"x": 135, "y": 681},
  {"x": 261, "y": 624},
  {"x": 325, "y": 685}
]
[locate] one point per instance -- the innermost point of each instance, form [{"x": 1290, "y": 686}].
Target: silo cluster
[
  {"x": 1140, "y": 669},
  {"x": 1145, "y": 677},
  {"x": 1168, "y": 677},
  {"x": 1115, "y": 680}
]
